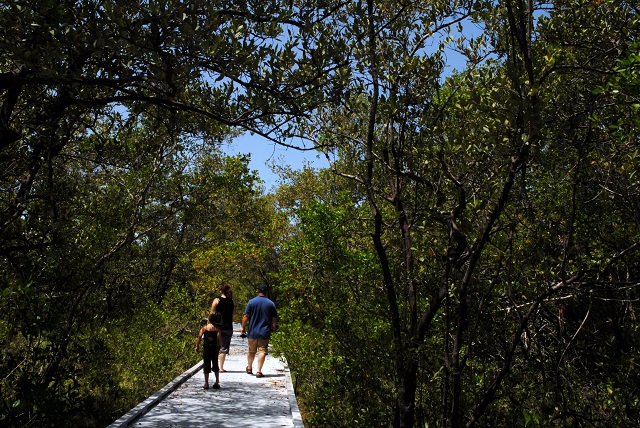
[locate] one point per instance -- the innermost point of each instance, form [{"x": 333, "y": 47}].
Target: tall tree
[
  {"x": 106, "y": 107},
  {"x": 463, "y": 177}
]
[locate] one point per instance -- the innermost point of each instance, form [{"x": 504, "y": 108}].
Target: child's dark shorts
[{"x": 210, "y": 359}]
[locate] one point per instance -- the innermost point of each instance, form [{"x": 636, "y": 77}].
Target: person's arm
[
  {"x": 218, "y": 336},
  {"x": 245, "y": 318},
  {"x": 214, "y": 304},
  {"x": 274, "y": 318},
  {"x": 198, "y": 339}
]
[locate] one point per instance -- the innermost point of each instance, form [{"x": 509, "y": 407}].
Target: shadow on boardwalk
[{"x": 242, "y": 400}]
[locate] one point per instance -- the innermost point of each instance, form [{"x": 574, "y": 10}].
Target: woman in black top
[{"x": 225, "y": 307}]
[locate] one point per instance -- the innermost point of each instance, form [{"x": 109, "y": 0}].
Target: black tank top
[
  {"x": 225, "y": 309},
  {"x": 210, "y": 340}
]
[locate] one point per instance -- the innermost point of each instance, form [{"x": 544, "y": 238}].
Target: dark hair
[{"x": 225, "y": 289}]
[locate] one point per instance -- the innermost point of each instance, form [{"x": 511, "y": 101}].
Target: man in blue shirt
[{"x": 262, "y": 317}]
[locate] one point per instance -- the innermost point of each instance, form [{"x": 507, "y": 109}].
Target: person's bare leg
[
  {"x": 216, "y": 385},
  {"x": 221, "y": 359},
  {"x": 206, "y": 380},
  {"x": 250, "y": 358},
  {"x": 261, "y": 357}
]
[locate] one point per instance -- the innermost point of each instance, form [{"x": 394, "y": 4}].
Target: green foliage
[
  {"x": 501, "y": 208},
  {"x": 330, "y": 317},
  {"x": 474, "y": 259},
  {"x": 104, "y": 314},
  {"x": 148, "y": 348},
  {"x": 107, "y": 365},
  {"x": 112, "y": 116}
]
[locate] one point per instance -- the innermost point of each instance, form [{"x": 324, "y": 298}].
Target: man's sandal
[
  {"x": 249, "y": 371},
  {"x": 259, "y": 374}
]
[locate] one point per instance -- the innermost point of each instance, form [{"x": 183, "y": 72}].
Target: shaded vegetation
[{"x": 471, "y": 256}]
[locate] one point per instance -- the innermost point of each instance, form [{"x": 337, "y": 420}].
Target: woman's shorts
[{"x": 225, "y": 337}]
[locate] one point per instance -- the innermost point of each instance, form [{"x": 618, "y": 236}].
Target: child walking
[{"x": 209, "y": 334}]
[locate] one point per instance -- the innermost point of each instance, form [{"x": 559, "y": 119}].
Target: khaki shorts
[{"x": 259, "y": 345}]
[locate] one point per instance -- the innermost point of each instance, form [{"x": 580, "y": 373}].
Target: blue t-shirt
[{"x": 261, "y": 311}]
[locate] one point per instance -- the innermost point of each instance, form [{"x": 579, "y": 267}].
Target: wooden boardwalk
[{"x": 242, "y": 400}]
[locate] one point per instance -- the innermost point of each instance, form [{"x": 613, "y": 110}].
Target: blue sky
[{"x": 264, "y": 153}]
